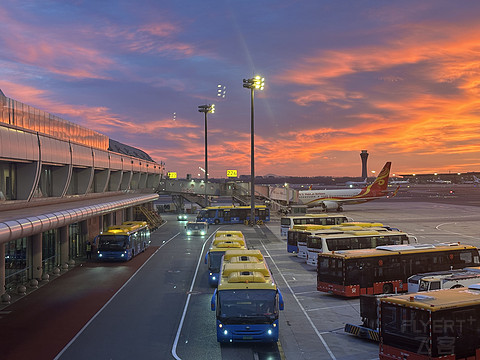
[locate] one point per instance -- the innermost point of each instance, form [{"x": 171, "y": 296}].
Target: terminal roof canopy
[{"x": 118, "y": 147}]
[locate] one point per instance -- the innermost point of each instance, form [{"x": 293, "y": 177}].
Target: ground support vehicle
[
  {"x": 448, "y": 280},
  {"x": 196, "y": 228},
  {"x": 433, "y": 325}
]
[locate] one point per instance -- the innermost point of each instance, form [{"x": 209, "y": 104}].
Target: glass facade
[
  {"x": 16, "y": 266},
  {"x": 15, "y": 113},
  {"x": 50, "y": 251},
  {"x": 77, "y": 240},
  {"x": 7, "y": 181}
]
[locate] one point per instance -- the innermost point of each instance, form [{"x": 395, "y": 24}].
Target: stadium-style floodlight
[
  {"x": 221, "y": 91},
  {"x": 255, "y": 83},
  {"x": 206, "y": 109}
]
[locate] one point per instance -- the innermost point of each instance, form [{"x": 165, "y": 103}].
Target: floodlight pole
[
  {"x": 254, "y": 83},
  {"x": 206, "y": 109}
]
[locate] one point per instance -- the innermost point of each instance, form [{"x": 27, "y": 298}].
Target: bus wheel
[
  {"x": 387, "y": 288},
  {"x": 217, "y": 221}
]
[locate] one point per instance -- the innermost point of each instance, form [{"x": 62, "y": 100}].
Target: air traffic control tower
[{"x": 364, "y": 156}]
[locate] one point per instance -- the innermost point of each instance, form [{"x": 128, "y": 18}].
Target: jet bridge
[{"x": 195, "y": 191}]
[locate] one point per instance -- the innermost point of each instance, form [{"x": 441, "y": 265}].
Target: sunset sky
[{"x": 400, "y": 79}]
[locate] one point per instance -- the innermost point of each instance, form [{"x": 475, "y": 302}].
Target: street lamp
[
  {"x": 206, "y": 109},
  {"x": 257, "y": 83}
]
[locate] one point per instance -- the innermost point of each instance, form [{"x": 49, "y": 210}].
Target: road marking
[
  {"x": 179, "y": 330},
  {"x": 454, "y": 233},
  {"x": 301, "y": 307},
  {"x": 108, "y": 302},
  {"x": 331, "y": 307}
]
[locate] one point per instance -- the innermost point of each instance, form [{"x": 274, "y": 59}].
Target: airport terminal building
[{"x": 61, "y": 184}]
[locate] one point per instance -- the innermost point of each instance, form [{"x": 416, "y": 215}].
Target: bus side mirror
[
  {"x": 281, "y": 304},
  {"x": 212, "y": 302},
  {"x": 206, "y": 257}
]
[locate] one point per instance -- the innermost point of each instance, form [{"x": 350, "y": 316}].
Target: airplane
[
  {"x": 352, "y": 184},
  {"x": 398, "y": 182},
  {"x": 335, "y": 199},
  {"x": 475, "y": 181}
]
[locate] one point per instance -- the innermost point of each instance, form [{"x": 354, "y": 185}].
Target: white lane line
[
  {"x": 179, "y": 330},
  {"x": 331, "y": 307},
  {"x": 109, "y": 301},
  {"x": 306, "y": 292},
  {"x": 301, "y": 307},
  {"x": 452, "y": 232}
]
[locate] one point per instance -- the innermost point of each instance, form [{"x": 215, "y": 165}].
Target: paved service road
[{"x": 143, "y": 320}]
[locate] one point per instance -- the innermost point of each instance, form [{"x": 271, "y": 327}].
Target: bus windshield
[
  {"x": 112, "y": 242},
  {"x": 214, "y": 260},
  {"x": 405, "y": 327},
  {"x": 251, "y": 305}
]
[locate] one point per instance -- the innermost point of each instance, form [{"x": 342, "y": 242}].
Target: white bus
[
  {"x": 287, "y": 222},
  {"x": 350, "y": 240}
]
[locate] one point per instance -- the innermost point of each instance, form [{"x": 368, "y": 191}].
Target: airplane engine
[{"x": 330, "y": 205}]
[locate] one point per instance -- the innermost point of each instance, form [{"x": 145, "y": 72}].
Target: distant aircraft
[
  {"x": 352, "y": 184},
  {"x": 438, "y": 181},
  {"x": 475, "y": 181},
  {"x": 398, "y": 182},
  {"x": 335, "y": 199}
]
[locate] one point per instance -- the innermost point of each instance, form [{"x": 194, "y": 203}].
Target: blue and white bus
[
  {"x": 233, "y": 214},
  {"x": 247, "y": 300},
  {"x": 123, "y": 242}
]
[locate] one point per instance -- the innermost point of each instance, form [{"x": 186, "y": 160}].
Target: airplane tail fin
[
  {"x": 476, "y": 180},
  {"x": 379, "y": 186}
]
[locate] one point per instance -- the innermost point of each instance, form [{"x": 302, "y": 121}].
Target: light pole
[
  {"x": 258, "y": 83},
  {"x": 206, "y": 109}
]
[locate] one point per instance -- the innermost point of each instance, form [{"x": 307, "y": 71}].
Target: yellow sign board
[
  {"x": 172, "y": 175},
  {"x": 231, "y": 173}
]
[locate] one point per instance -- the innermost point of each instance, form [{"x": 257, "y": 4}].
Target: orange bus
[{"x": 386, "y": 269}]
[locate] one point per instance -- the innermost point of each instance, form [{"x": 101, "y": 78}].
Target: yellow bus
[
  {"x": 386, "y": 268},
  {"x": 440, "y": 324},
  {"x": 247, "y": 300},
  {"x": 220, "y": 244}
]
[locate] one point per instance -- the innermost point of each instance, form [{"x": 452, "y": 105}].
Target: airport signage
[
  {"x": 231, "y": 173},
  {"x": 172, "y": 175}
]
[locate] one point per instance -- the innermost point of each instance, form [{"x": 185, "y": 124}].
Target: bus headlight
[
  {"x": 189, "y": 233},
  {"x": 220, "y": 326},
  {"x": 100, "y": 255},
  {"x": 214, "y": 278},
  {"x": 269, "y": 331},
  {"x": 123, "y": 255},
  {"x": 225, "y": 332}
]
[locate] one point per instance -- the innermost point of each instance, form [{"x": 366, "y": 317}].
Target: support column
[
  {"x": 129, "y": 214},
  {"x": 2, "y": 269},
  {"x": 37, "y": 256},
  {"x": 64, "y": 245}
]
